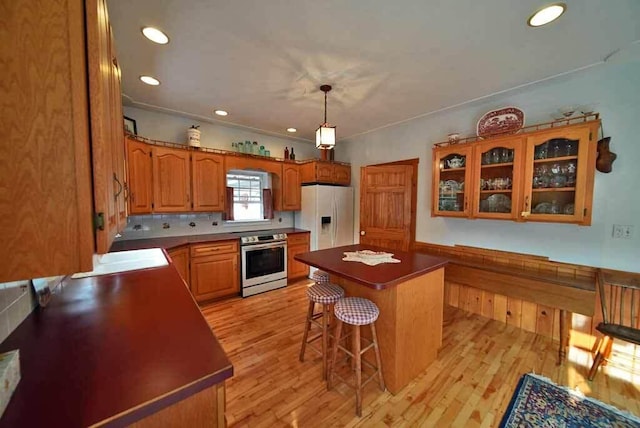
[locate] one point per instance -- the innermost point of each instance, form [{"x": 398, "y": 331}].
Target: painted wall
[
  {"x": 612, "y": 89},
  {"x": 173, "y": 128}
]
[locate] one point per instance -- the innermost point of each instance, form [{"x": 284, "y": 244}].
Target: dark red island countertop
[
  {"x": 119, "y": 346},
  {"x": 384, "y": 275},
  {"x": 170, "y": 242}
]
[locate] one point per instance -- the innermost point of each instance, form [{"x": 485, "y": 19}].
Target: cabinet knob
[{"x": 362, "y": 233}]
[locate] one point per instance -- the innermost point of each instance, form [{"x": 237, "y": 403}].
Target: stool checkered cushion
[
  {"x": 325, "y": 293},
  {"x": 356, "y": 311},
  {"x": 320, "y": 277}
]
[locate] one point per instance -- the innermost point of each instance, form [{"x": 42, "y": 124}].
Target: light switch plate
[{"x": 622, "y": 231}]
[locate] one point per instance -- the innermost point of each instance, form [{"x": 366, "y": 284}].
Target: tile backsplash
[
  {"x": 163, "y": 225},
  {"x": 17, "y": 300}
]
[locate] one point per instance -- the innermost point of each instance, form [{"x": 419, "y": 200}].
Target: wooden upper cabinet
[
  {"x": 171, "y": 180},
  {"x": 342, "y": 174},
  {"x": 139, "y": 177},
  {"x": 208, "y": 178},
  {"x": 559, "y": 175},
  {"x": 107, "y": 142},
  {"x": 325, "y": 172},
  {"x": 291, "y": 192},
  {"x": 497, "y": 174},
  {"x": 452, "y": 175},
  {"x": 544, "y": 175}
]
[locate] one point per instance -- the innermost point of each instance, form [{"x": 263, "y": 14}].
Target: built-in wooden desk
[
  {"x": 567, "y": 293},
  {"x": 409, "y": 295}
]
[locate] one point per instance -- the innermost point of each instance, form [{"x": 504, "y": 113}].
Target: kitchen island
[
  {"x": 409, "y": 295},
  {"x": 130, "y": 348}
]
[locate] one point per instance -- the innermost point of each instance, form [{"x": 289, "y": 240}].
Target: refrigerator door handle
[{"x": 335, "y": 221}]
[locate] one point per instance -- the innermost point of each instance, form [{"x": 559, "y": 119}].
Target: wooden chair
[{"x": 620, "y": 313}]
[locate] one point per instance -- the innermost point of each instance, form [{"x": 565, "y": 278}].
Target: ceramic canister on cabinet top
[{"x": 193, "y": 136}]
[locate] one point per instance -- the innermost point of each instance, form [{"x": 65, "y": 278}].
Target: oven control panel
[{"x": 257, "y": 239}]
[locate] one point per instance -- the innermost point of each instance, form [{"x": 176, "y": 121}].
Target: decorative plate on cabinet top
[{"x": 506, "y": 120}]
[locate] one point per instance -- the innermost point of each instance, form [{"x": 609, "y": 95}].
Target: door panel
[
  {"x": 139, "y": 177},
  {"x": 171, "y": 180},
  {"x": 385, "y": 206},
  {"x": 208, "y": 182}
]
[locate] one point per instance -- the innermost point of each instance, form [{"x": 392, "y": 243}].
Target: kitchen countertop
[
  {"x": 127, "y": 344},
  {"x": 170, "y": 242},
  {"x": 412, "y": 264}
]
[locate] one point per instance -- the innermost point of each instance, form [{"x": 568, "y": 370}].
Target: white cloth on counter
[{"x": 369, "y": 257}]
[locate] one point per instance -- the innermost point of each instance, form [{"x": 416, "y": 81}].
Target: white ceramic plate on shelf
[{"x": 503, "y": 121}]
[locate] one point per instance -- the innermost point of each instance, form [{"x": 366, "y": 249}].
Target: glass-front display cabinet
[
  {"x": 546, "y": 174},
  {"x": 452, "y": 168},
  {"x": 497, "y": 177},
  {"x": 555, "y": 186}
]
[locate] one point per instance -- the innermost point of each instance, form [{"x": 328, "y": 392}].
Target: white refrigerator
[{"x": 327, "y": 211}]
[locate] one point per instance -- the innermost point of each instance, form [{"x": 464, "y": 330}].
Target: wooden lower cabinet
[
  {"x": 217, "y": 273},
  {"x": 180, "y": 258},
  {"x": 297, "y": 243}
]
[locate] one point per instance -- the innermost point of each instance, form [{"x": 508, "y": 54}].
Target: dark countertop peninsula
[
  {"x": 412, "y": 264},
  {"x": 177, "y": 241},
  {"x": 119, "y": 346}
]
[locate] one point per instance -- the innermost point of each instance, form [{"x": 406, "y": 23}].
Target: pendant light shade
[{"x": 325, "y": 134}]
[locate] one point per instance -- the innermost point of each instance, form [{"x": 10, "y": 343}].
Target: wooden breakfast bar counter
[{"x": 410, "y": 297}]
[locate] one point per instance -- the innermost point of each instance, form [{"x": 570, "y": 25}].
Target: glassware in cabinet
[
  {"x": 497, "y": 178},
  {"x": 558, "y": 175},
  {"x": 451, "y": 175}
]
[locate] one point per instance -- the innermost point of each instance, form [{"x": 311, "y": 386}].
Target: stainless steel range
[{"x": 264, "y": 262}]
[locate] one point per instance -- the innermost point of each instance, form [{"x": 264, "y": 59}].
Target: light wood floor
[{"x": 470, "y": 384}]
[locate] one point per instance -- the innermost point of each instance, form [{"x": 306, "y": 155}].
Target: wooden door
[
  {"x": 385, "y": 206},
  {"x": 291, "y": 191},
  {"x": 215, "y": 276},
  {"x": 209, "y": 181},
  {"x": 180, "y": 259},
  {"x": 497, "y": 178},
  {"x": 559, "y": 170},
  {"x": 171, "y": 180},
  {"x": 342, "y": 174},
  {"x": 139, "y": 177},
  {"x": 452, "y": 181}
]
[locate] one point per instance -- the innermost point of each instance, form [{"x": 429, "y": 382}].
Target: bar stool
[
  {"x": 327, "y": 295},
  {"x": 356, "y": 311},
  {"x": 320, "y": 277}
]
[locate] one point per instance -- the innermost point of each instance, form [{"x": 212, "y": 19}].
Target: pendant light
[{"x": 325, "y": 134}]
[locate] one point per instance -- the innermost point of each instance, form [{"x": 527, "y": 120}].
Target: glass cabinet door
[
  {"x": 556, "y": 176},
  {"x": 498, "y": 166},
  {"x": 452, "y": 174}
]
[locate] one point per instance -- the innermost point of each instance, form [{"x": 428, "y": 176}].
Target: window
[{"x": 247, "y": 194}]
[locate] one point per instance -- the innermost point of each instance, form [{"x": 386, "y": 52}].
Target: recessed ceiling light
[
  {"x": 150, "y": 80},
  {"x": 155, "y": 35},
  {"x": 547, "y": 14},
  {"x": 221, "y": 112},
  {"x": 292, "y": 130}
]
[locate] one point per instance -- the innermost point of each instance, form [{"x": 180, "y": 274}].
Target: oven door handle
[{"x": 264, "y": 246}]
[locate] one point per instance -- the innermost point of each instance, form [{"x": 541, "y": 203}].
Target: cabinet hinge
[
  {"x": 152, "y": 207},
  {"x": 590, "y": 136},
  {"x": 585, "y": 212},
  {"x": 98, "y": 221}
]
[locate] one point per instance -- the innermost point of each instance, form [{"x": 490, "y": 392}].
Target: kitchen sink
[{"x": 124, "y": 261}]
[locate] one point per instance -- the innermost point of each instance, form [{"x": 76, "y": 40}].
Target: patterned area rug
[{"x": 538, "y": 402}]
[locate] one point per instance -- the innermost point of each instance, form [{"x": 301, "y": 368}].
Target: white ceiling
[{"x": 388, "y": 61}]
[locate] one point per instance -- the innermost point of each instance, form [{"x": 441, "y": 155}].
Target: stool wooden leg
[
  {"x": 358, "y": 358},
  {"x": 325, "y": 338},
  {"x": 374, "y": 336},
  {"x": 307, "y": 326},
  {"x": 334, "y": 354}
]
